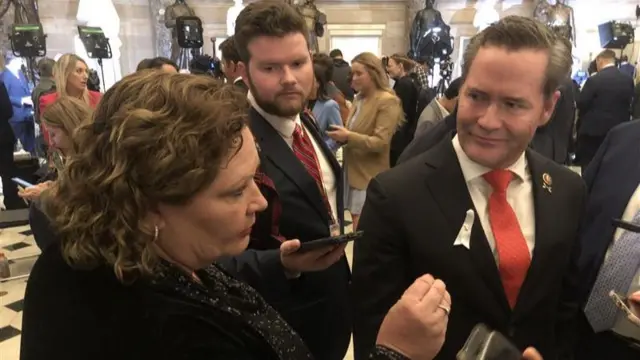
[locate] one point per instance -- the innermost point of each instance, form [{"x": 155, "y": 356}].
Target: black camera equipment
[
  {"x": 28, "y": 41},
  {"x": 96, "y": 44},
  {"x": 189, "y": 30}
]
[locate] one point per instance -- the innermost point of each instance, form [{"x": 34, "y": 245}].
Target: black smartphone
[
  {"x": 329, "y": 241},
  {"x": 486, "y": 344}
]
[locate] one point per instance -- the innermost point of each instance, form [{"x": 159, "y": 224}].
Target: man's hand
[
  {"x": 416, "y": 325},
  {"x": 315, "y": 260},
  {"x": 531, "y": 354},
  {"x": 634, "y": 306}
]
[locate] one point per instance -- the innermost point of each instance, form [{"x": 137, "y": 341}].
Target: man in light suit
[
  {"x": 485, "y": 208},
  {"x": 613, "y": 182},
  {"x": 439, "y": 108}
]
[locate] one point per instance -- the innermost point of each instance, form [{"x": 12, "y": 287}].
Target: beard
[{"x": 274, "y": 107}]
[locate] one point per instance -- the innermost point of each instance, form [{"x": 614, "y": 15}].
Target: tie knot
[
  {"x": 499, "y": 179},
  {"x": 297, "y": 131}
]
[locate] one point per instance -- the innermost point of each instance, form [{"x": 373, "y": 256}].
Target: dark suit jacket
[
  {"x": 553, "y": 139},
  {"x": 404, "y": 242},
  {"x": 429, "y": 138},
  {"x": 605, "y": 101},
  {"x": 320, "y": 310},
  {"x": 611, "y": 177},
  {"x": 17, "y": 89}
]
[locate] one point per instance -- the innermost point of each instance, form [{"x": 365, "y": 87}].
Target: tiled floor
[{"x": 19, "y": 247}]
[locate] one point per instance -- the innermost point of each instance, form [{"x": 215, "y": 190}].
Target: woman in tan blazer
[{"x": 375, "y": 115}]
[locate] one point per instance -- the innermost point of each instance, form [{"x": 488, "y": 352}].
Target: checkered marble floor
[{"x": 18, "y": 245}]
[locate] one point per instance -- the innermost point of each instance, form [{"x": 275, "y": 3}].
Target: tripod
[{"x": 101, "y": 70}]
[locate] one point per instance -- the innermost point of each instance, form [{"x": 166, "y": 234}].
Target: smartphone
[
  {"x": 622, "y": 303},
  {"x": 329, "y": 241},
  {"x": 486, "y": 344},
  {"x": 21, "y": 182}
]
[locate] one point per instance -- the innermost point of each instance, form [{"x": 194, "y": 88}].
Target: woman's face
[
  {"x": 218, "y": 220},
  {"x": 59, "y": 139},
  {"x": 77, "y": 80},
  {"x": 361, "y": 81},
  {"x": 394, "y": 69}
]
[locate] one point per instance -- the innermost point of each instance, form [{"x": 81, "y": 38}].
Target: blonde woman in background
[
  {"x": 61, "y": 119},
  {"x": 375, "y": 115},
  {"x": 70, "y": 74}
]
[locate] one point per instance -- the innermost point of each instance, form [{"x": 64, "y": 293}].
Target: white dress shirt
[
  {"x": 444, "y": 111},
  {"x": 519, "y": 195},
  {"x": 285, "y": 127},
  {"x": 622, "y": 325}
]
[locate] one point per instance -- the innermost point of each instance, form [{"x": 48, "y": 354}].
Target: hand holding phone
[
  {"x": 21, "y": 182},
  {"x": 486, "y": 344},
  {"x": 329, "y": 241},
  {"x": 296, "y": 262}
]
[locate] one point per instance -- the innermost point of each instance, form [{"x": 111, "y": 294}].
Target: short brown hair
[
  {"x": 517, "y": 33},
  {"x": 267, "y": 18},
  {"x": 228, "y": 50},
  {"x": 326, "y": 62},
  {"x": 607, "y": 54},
  {"x": 156, "y": 138}
]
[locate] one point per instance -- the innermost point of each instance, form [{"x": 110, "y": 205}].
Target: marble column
[
  {"x": 161, "y": 35},
  {"x": 6, "y": 20}
]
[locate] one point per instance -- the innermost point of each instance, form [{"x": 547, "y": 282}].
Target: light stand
[
  {"x": 28, "y": 41},
  {"x": 96, "y": 44}
]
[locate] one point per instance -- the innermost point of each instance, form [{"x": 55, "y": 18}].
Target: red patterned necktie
[
  {"x": 304, "y": 151},
  {"x": 513, "y": 253}
]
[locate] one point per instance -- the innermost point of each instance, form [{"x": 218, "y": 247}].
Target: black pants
[
  {"x": 8, "y": 170},
  {"x": 586, "y": 148}
]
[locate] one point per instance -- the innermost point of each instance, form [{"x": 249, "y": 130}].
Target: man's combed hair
[
  {"x": 518, "y": 33},
  {"x": 266, "y": 18},
  {"x": 156, "y": 138},
  {"x": 228, "y": 50}
]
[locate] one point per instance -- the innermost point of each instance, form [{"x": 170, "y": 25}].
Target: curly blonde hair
[{"x": 155, "y": 138}]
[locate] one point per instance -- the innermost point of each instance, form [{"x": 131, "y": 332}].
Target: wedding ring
[{"x": 446, "y": 309}]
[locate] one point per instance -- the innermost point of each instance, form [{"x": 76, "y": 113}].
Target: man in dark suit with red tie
[
  {"x": 298, "y": 174},
  {"x": 495, "y": 220}
]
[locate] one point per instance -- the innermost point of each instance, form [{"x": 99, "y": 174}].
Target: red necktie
[
  {"x": 513, "y": 253},
  {"x": 304, "y": 151}
]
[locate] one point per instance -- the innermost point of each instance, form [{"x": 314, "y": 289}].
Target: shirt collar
[
  {"x": 285, "y": 126},
  {"x": 444, "y": 111},
  {"x": 472, "y": 170}
]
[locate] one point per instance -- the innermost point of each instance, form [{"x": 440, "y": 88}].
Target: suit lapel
[
  {"x": 275, "y": 149},
  {"x": 450, "y": 192},
  {"x": 545, "y": 215}
]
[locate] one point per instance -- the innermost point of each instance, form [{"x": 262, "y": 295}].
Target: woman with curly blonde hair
[{"x": 159, "y": 187}]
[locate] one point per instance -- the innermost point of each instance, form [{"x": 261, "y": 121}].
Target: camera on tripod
[{"x": 189, "y": 31}]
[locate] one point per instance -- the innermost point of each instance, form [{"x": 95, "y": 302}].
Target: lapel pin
[{"x": 546, "y": 182}]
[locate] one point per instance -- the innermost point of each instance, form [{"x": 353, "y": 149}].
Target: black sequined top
[{"x": 242, "y": 303}]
